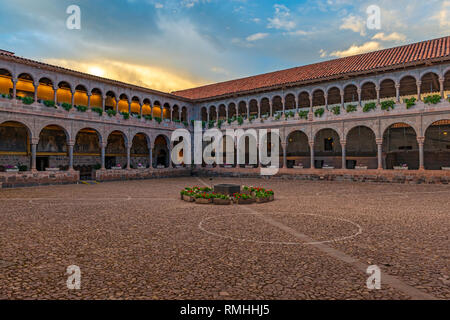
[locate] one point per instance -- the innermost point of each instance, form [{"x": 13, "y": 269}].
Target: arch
[
  {"x": 408, "y": 87},
  {"x": 52, "y": 149},
  {"x": 124, "y": 104},
  {"x": 447, "y": 85},
  {"x": 176, "y": 113},
  {"x": 303, "y": 100},
  {"x": 298, "y": 151},
  {"x": 327, "y": 149},
  {"x": 204, "y": 114},
  {"x": 184, "y": 114},
  {"x": 361, "y": 148},
  {"x": 289, "y": 102},
  {"x": 400, "y": 146},
  {"x": 277, "y": 105},
  {"x": 387, "y": 89},
  {"x": 232, "y": 112},
  {"x": 25, "y": 85},
  {"x": 318, "y": 98},
  {"x": 350, "y": 93},
  {"x": 87, "y": 153},
  {"x": 6, "y": 84},
  {"x": 265, "y": 107},
  {"x": 368, "y": 91},
  {"x": 430, "y": 84},
  {"x": 135, "y": 106},
  {"x": 116, "y": 150},
  {"x": 140, "y": 151},
  {"x": 212, "y": 113},
  {"x": 253, "y": 108},
  {"x": 110, "y": 101},
  {"x": 242, "y": 109},
  {"x": 15, "y": 140},
  {"x": 437, "y": 145},
  {"x": 146, "y": 107},
  {"x": 64, "y": 93},
  {"x": 81, "y": 95},
  {"x": 222, "y": 112},
  {"x": 157, "y": 110},
  {"x": 96, "y": 98},
  {"x": 161, "y": 155},
  {"x": 45, "y": 89},
  {"x": 166, "y": 111},
  {"x": 334, "y": 96}
]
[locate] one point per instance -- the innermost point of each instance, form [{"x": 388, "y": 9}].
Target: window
[{"x": 328, "y": 144}]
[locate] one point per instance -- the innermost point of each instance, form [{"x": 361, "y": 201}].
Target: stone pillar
[
  {"x": 55, "y": 94},
  {"x": 128, "y": 157},
  {"x": 344, "y": 156},
  {"x": 169, "y": 156},
  {"x": 380, "y": 153},
  {"x": 34, "y": 144},
  {"x": 441, "y": 85},
  {"x": 248, "y": 111},
  {"x": 151, "y": 157},
  {"x": 36, "y": 86},
  {"x": 311, "y": 114},
  {"x": 70, "y": 145},
  {"x": 73, "y": 98},
  {"x": 419, "y": 93},
  {"x": 284, "y": 105},
  {"x": 207, "y": 115},
  {"x": 129, "y": 107},
  {"x": 421, "y": 142},
  {"x": 14, "y": 88},
  {"x": 284, "y": 145},
  {"x": 342, "y": 102},
  {"x": 378, "y": 95},
  {"x": 359, "y": 91},
  {"x": 271, "y": 108},
  {"x": 311, "y": 149},
  {"x": 397, "y": 92},
  {"x": 103, "y": 151},
  {"x": 296, "y": 105},
  {"x": 326, "y": 102},
  {"x": 89, "y": 101},
  {"x": 151, "y": 111},
  {"x": 140, "y": 109},
  {"x": 259, "y": 109},
  {"x": 117, "y": 105},
  {"x": 226, "y": 113},
  {"x": 103, "y": 103}
]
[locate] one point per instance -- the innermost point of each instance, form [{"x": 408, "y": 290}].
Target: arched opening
[
  {"x": 157, "y": 110},
  {"x": 110, "y": 101},
  {"x": 400, "y": 147},
  {"x": 334, "y": 99},
  {"x": 222, "y": 112},
  {"x": 298, "y": 151},
  {"x": 146, "y": 107},
  {"x": 387, "y": 89},
  {"x": 265, "y": 107},
  {"x": 408, "y": 88},
  {"x": 45, "y": 90},
  {"x": 204, "y": 114},
  {"x": 212, "y": 113},
  {"x": 447, "y": 85},
  {"x": 253, "y": 108},
  {"x": 64, "y": 93},
  {"x": 123, "y": 103},
  {"x": 437, "y": 146},
  {"x": 350, "y": 94},
  {"x": 176, "y": 113},
  {"x": 243, "y": 109},
  {"x": 25, "y": 86},
  {"x": 368, "y": 92},
  {"x": 6, "y": 84},
  {"x": 140, "y": 151},
  {"x": 80, "y": 96},
  {"x": 303, "y": 100},
  {"x": 14, "y": 146},
  {"x": 52, "y": 151},
  {"x": 135, "y": 106},
  {"x": 289, "y": 102},
  {"x": 361, "y": 148},
  {"x": 327, "y": 149},
  {"x": 318, "y": 98},
  {"x": 161, "y": 156},
  {"x": 184, "y": 114},
  {"x": 277, "y": 105},
  {"x": 231, "y": 110},
  {"x": 180, "y": 155},
  {"x": 96, "y": 98},
  {"x": 87, "y": 153},
  {"x": 166, "y": 111},
  {"x": 116, "y": 151},
  {"x": 430, "y": 84}
]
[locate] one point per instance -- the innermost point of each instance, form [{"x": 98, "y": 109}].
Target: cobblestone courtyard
[{"x": 137, "y": 240}]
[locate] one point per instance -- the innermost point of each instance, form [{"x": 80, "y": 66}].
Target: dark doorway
[
  {"x": 42, "y": 163},
  {"x": 110, "y": 162}
]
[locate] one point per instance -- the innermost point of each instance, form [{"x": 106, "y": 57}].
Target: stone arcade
[{"x": 380, "y": 116}]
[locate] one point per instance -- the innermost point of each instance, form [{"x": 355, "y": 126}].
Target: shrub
[
  {"x": 185, "y": 123},
  {"x": 434, "y": 99},
  {"x": 125, "y": 115},
  {"x": 369, "y": 106},
  {"x": 351, "y": 108},
  {"x": 158, "y": 119},
  {"x": 66, "y": 106},
  {"x": 240, "y": 120},
  {"x": 388, "y": 105},
  {"x": 410, "y": 102},
  {"x": 336, "y": 110},
  {"x": 303, "y": 114},
  {"x": 28, "y": 100},
  {"x": 22, "y": 168},
  {"x": 97, "y": 166},
  {"x": 219, "y": 123},
  {"x": 98, "y": 110},
  {"x": 148, "y": 117},
  {"x": 319, "y": 112},
  {"x": 111, "y": 112},
  {"x": 278, "y": 116},
  {"x": 211, "y": 124},
  {"x": 49, "y": 103},
  {"x": 81, "y": 108}
]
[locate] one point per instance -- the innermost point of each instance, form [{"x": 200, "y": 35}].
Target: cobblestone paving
[{"x": 137, "y": 240}]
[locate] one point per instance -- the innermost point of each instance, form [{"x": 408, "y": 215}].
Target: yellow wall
[
  {"x": 166, "y": 114},
  {"x": 26, "y": 86},
  {"x": 45, "y": 92},
  {"x": 80, "y": 99},
  {"x": 156, "y": 111},
  {"x": 146, "y": 109},
  {"x": 123, "y": 106},
  {"x": 110, "y": 102},
  {"x": 96, "y": 101},
  {"x": 64, "y": 95},
  {"x": 135, "y": 107},
  {"x": 5, "y": 85}
]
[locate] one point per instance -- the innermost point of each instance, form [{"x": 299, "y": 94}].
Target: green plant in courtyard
[
  {"x": 66, "y": 106},
  {"x": 148, "y": 117},
  {"x": 433, "y": 99},
  {"x": 351, "y": 108},
  {"x": 336, "y": 110},
  {"x": 111, "y": 112},
  {"x": 303, "y": 114},
  {"x": 81, "y": 108},
  {"x": 240, "y": 120},
  {"x": 158, "y": 119},
  {"x": 369, "y": 106},
  {"x": 388, "y": 105},
  {"x": 28, "y": 100},
  {"x": 411, "y": 102},
  {"x": 49, "y": 103},
  {"x": 98, "y": 110},
  {"x": 319, "y": 112}
]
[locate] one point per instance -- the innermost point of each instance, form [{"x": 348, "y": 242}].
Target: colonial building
[{"x": 380, "y": 112}]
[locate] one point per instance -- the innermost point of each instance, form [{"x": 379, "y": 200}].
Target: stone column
[
  {"x": 70, "y": 145},
  {"x": 378, "y": 95},
  {"x": 169, "y": 156},
  {"x": 359, "y": 91},
  {"x": 344, "y": 156},
  {"x": 129, "y": 107},
  {"x": 117, "y": 105},
  {"x": 441, "y": 85},
  {"x": 284, "y": 145},
  {"x": 259, "y": 109},
  {"x": 284, "y": 105},
  {"x": 271, "y": 104},
  {"x": 128, "y": 157},
  {"x": 421, "y": 142},
  {"x": 89, "y": 101},
  {"x": 311, "y": 149},
  {"x": 397, "y": 92},
  {"x": 103, "y": 103},
  {"x": 140, "y": 109},
  {"x": 103, "y": 151},
  {"x": 34, "y": 144},
  {"x": 36, "y": 86},
  {"x": 226, "y": 113},
  {"x": 342, "y": 102},
  {"x": 419, "y": 93},
  {"x": 151, "y": 157},
  {"x": 55, "y": 94},
  {"x": 73, "y": 98},
  {"x": 311, "y": 113},
  {"x": 380, "y": 153},
  {"x": 326, "y": 102},
  {"x": 248, "y": 111},
  {"x": 14, "y": 88}
]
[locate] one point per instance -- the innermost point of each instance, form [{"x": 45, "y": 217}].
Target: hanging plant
[
  {"x": 98, "y": 110},
  {"x": 65, "y": 106},
  {"x": 410, "y": 102},
  {"x": 303, "y": 114},
  {"x": 369, "y": 106},
  {"x": 28, "y": 100},
  {"x": 351, "y": 108},
  {"x": 81, "y": 108},
  {"x": 319, "y": 112},
  {"x": 388, "y": 105},
  {"x": 434, "y": 99},
  {"x": 336, "y": 110},
  {"x": 240, "y": 120},
  {"x": 111, "y": 112}
]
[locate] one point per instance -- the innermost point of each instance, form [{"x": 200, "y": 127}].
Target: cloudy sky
[{"x": 178, "y": 44}]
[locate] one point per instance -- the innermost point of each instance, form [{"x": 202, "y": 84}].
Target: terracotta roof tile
[{"x": 426, "y": 50}]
